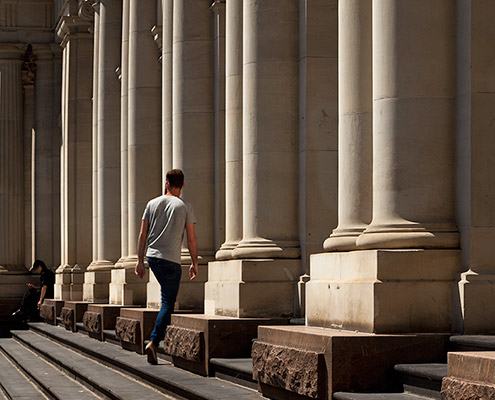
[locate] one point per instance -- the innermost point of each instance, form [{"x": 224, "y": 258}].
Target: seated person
[{"x": 34, "y": 296}]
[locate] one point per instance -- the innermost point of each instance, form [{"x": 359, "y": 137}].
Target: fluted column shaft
[
  {"x": 167, "y": 43},
  {"x": 233, "y": 129},
  {"x": 11, "y": 158},
  {"x": 193, "y": 135},
  {"x": 270, "y": 128},
  {"x": 355, "y": 120},
  {"x": 124, "y": 132},
  {"x": 144, "y": 122},
  {"x": 413, "y": 126},
  {"x": 94, "y": 150},
  {"x": 108, "y": 145}
]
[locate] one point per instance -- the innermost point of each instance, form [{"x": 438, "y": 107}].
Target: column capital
[
  {"x": 218, "y": 6},
  {"x": 12, "y": 51}
]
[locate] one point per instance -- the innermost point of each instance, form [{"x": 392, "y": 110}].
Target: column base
[
  {"x": 95, "y": 287},
  {"x": 403, "y": 236},
  {"x": 134, "y": 326},
  {"x": 252, "y": 288},
  {"x": 383, "y": 291},
  {"x": 192, "y": 340},
  {"x": 302, "y": 362},
  {"x": 126, "y": 288},
  {"x": 477, "y": 297},
  {"x": 264, "y": 248},
  {"x": 226, "y": 251},
  {"x": 343, "y": 239}
]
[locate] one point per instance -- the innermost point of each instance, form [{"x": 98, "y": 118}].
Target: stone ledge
[
  {"x": 128, "y": 330},
  {"x": 92, "y": 322},
  {"x": 458, "y": 389},
  {"x": 184, "y": 343},
  {"x": 67, "y": 317},
  {"x": 299, "y": 371}
]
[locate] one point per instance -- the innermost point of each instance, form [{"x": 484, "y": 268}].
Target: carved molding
[
  {"x": 184, "y": 343},
  {"x": 28, "y": 67},
  {"x": 92, "y": 322},
  {"x": 87, "y": 10},
  {"x": 128, "y": 330}
]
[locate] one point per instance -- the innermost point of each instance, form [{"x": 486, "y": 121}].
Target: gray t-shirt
[{"x": 167, "y": 217}]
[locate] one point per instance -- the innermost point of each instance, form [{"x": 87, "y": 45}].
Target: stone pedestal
[
  {"x": 73, "y": 312},
  {"x": 380, "y": 291},
  {"x": 100, "y": 317},
  {"x": 134, "y": 326},
  {"x": 471, "y": 376},
  {"x": 50, "y": 310},
  {"x": 252, "y": 288},
  {"x": 192, "y": 340},
  {"x": 314, "y": 362},
  {"x": 95, "y": 288},
  {"x": 61, "y": 289},
  {"x": 76, "y": 283},
  {"x": 126, "y": 287}
]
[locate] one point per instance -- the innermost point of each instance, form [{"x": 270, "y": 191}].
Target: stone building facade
[{"x": 338, "y": 154}]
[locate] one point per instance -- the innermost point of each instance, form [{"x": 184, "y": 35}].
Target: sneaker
[{"x": 151, "y": 352}]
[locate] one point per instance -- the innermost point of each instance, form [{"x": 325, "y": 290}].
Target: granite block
[
  {"x": 128, "y": 330},
  {"x": 184, "y": 343}
]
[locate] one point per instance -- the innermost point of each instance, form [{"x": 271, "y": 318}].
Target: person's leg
[{"x": 168, "y": 275}]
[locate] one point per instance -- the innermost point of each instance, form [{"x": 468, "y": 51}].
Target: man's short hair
[
  {"x": 36, "y": 264},
  {"x": 175, "y": 178}
]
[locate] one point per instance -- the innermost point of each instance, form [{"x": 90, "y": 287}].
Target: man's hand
[
  {"x": 40, "y": 303},
  {"x": 30, "y": 286},
  {"x": 139, "y": 270},
  {"x": 193, "y": 271}
]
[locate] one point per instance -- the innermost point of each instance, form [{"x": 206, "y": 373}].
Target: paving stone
[
  {"x": 164, "y": 374},
  {"x": 50, "y": 378},
  {"x": 244, "y": 365},
  {"x": 427, "y": 371}
]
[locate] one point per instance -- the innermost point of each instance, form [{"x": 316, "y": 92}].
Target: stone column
[
  {"x": 355, "y": 119},
  {"x": 117, "y": 289},
  {"x": 475, "y": 313},
  {"x": 270, "y": 171},
  {"x": 144, "y": 130},
  {"x": 11, "y": 159},
  {"x": 193, "y": 129},
  {"x": 233, "y": 130},
  {"x": 413, "y": 207},
  {"x": 108, "y": 153},
  {"x": 76, "y": 167},
  {"x": 218, "y": 9},
  {"x": 12, "y": 278},
  {"x": 401, "y": 280},
  {"x": 89, "y": 279},
  {"x": 167, "y": 43},
  {"x": 270, "y": 127}
]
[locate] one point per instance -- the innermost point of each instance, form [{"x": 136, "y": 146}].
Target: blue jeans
[{"x": 168, "y": 275}]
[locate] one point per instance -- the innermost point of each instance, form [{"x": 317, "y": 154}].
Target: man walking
[{"x": 162, "y": 230}]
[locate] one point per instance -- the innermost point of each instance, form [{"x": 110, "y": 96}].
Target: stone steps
[
  {"x": 237, "y": 370},
  {"x": 164, "y": 376},
  {"x": 424, "y": 381},
  {"x": 15, "y": 384}
]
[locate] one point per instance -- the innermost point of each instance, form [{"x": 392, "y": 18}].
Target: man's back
[{"x": 167, "y": 217}]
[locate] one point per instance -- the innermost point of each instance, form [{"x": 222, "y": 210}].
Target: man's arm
[
  {"x": 42, "y": 295},
  {"x": 192, "y": 245},
  {"x": 141, "y": 246}
]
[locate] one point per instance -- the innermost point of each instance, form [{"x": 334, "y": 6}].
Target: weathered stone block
[
  {"x": 92, "y": 322},
  {"x": 128, "y": 330},
  {"x": 184, "y": 343},
  {"x": 47, "y": 312},
  {"x": 67, "y": 317},
  {"x": 458, "y": 389},
  {"x": 299, "y": 371}
]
